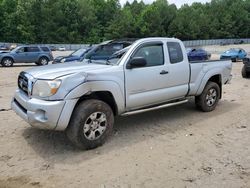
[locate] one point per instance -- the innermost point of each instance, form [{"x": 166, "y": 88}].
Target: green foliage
[{"x": 92, "y": 21}]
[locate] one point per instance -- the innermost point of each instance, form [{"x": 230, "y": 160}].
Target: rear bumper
[{"x": 53, "y": 115}]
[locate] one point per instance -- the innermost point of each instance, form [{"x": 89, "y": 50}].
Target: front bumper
[{"x": 53, "y": 115}]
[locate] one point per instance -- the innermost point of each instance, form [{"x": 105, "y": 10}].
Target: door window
[
  {"x": 175, "y": 52},
  {"x": 33, "y": 49},
  {"x": 153, "y": 53},
  {"x": 20, "y": 50}
]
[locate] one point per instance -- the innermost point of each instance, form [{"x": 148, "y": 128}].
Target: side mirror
[{"x": 136, "y": 62}]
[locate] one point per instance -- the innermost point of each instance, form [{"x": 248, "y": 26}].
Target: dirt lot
[{"x": 174, "y": 147}]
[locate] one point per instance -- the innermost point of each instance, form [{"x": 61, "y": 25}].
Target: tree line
[{"x": 93, "y": 21}]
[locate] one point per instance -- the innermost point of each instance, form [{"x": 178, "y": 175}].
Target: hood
[
  {"x": 58, "y": 70},
  {"x": 4, "y": 52},
  {"x": 229, "y": 54},
  {"x": 67, "y": 58},
  {"x": 72, "y": 58}
]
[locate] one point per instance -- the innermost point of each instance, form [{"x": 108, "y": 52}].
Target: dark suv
[{"x": 41, "y": 55}]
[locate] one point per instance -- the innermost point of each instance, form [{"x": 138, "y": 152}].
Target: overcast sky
[{"x": 177, "y": 2}]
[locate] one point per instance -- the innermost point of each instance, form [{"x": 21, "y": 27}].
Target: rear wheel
[
  {"x": 7, "y": 62},
  {"x": 43, "y": 61},
  {"x": 91, "y": 124},
  {"x": 244, "y": 72},
  {"x": 209, "y": 98}
]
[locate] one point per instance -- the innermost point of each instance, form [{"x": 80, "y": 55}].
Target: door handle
[{"x": 163, "y": 72}]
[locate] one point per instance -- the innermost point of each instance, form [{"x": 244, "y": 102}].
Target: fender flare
[
  {"x": 7, "y": 56},
  {"x": 93, "y": 86},
  {"x": 206, "y": 78}
]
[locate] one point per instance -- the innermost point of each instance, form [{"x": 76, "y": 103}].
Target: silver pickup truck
[{"x": 83, "y": 98}]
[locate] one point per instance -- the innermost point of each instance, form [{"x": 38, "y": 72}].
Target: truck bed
[{"x": 200, "y": 69}]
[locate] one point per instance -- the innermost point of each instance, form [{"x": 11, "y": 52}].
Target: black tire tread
[
  {"x": 5, "y": 59},
  {"x": 244, "y": 73},
  {"x": 81, "y": 112},
  {"x": 200, "y": 100}
]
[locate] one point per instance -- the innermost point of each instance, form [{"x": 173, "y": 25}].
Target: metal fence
[{"x": 190, "y": 43}]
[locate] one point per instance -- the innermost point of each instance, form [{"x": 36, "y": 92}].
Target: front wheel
[
  {"x": 7, "y": 62},
  {"x": 209, "y": 98},
  {"x": 91, "y": 124}
]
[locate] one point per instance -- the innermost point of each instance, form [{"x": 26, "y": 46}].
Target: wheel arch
[
  {"x": 43, "y": 56},
  {"x": 8, "y": 56},
  {"x": 105, "y": 96},
  {"x": 217, "y": 78},
  {"x": 107, "y": 91}
]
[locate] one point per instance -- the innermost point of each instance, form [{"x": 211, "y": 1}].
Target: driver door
[
  {"x": 20, "y": 55},
  {"x": 164, "y": 78},
  {"x": 146, "y": 85}
]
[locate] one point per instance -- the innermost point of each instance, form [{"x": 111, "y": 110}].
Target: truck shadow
[
  {"x": 55, "y": 148},
  {"x": 19, "y": 65}
]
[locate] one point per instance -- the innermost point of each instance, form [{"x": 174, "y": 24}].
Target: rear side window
[
  {"x": 153, "y": 53},
  {"x": 175, "y": 52},
  {"x": 33, "y": 49},
  {"x": 45, "y": 49}
]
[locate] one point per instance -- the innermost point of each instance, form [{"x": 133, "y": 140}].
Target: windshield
[
  {"x": 232, "y": 51},
  {"x": 188, "y": 50},
  {"x": 79, "y": 52},
  {"x": 114, "y": 59},
  {"x": 16, "y": 49}
]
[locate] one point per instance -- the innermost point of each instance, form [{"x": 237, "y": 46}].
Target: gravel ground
[{"x": 173, "y": 147}]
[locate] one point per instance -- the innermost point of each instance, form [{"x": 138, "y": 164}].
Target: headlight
[
  {"x": 63, "y": 60},
  {"x": 45, "y": 88}
]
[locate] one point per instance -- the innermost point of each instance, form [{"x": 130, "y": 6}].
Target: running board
[{"x": 154, "y": 108}]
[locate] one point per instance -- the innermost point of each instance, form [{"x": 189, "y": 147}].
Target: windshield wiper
[{"x": 108, "y": 62}]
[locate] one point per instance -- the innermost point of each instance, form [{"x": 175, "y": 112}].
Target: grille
[{"x": 23, "y": 82}]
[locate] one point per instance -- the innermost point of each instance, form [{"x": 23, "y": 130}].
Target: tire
[
  {"x": 90, "y": 125},
  {"x": 43, "y": 61},
  {"x": 7, "y": 62},
  {"x": 234, "y": 60},
  {"x": 209, "y": 98},
  {"x": 244, "y": 72}
]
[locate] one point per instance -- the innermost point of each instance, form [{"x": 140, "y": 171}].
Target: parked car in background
[
  {"x": 197, "y": 54},
  {"x": 83, "y": 98},
  {"x": 13, "y": 46},
  {"x": 225, "y": 42},
  {"x": 75, "y": 56},
  {"x": 234, "y": 54},
  {"x": 61, "y": 48},
  {"x": 246, "y": 68},
  {"x": 4, "y": 47},
  {"x": 52, "y": 48},
  {"x": 40, "y": 55},
  {"x": 104, "y": 50},
  {"x": 238, "y": 41}
]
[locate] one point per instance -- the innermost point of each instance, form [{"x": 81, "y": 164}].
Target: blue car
[
  {"x": 75, "y": 56},
  {"x": 234, "y": 54},
  {"x": 41, "y": 55},
  {"x": 199, "y": 54}
]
